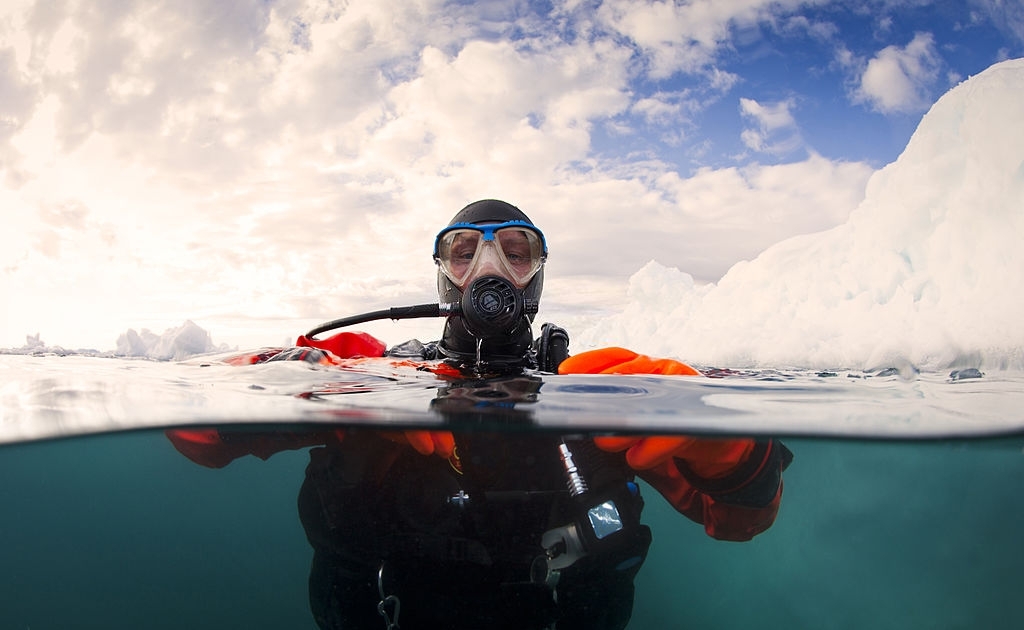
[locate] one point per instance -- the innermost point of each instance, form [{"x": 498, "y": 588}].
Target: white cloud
[
  {"x": 683, "y": 37},
  {"x": 899, "y": 80},
  {"x": 292, "y": 161},
  {"x": 775, "y": 130},
  {"x": 821, "y": 31},
  {"x": 1007, "y": 16},
  {"x": 696, "y": 223},
  {"x": 661, "y": 108}
]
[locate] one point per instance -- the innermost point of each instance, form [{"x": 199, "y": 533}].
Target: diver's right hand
[{"x": 216, "y": 448}]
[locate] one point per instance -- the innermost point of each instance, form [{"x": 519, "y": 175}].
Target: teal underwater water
[
  {"x": 901, "y": 509},
  {"x": 120, "y": 531}
]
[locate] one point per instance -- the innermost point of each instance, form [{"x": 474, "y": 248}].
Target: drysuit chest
[{"x": 504, "y": 491}]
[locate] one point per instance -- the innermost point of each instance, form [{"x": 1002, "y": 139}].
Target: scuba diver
[{"x": 470, "y": 529}]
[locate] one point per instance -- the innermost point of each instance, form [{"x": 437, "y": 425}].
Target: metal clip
[
  {"x": 460, "y": 499},
  {"x": 387, "y": 602}
]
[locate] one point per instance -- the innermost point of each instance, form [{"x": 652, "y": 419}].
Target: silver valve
[{"x": 575, "y": 482}]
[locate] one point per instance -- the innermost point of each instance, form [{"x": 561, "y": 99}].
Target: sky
[{"x": 259, "y": 167}]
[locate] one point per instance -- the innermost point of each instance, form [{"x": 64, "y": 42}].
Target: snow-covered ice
[{"x": 929, "y": 269}]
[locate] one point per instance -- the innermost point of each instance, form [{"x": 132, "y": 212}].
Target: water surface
[{"x": 54, "y": 396}]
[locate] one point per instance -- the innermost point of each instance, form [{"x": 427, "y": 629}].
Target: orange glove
[
  {"x": 216, "y": 449},
  {"x": 616, "y": 360},
  {"x": 440, "y": 443},
  {"x": 707, "y": 457},
  {"x": 731, "y": 486}
]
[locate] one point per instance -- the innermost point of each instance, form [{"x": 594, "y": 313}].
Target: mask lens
[
  {"x": 516, "y": 251},
  {"x": 522, "y": 252},
  {"x": 456, "y": 251}
]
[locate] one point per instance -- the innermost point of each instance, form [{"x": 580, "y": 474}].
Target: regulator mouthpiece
[{"x": 491, "y": 306}]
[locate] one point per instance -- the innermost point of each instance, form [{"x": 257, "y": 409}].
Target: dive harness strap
[{"x": 439, "y": 547}]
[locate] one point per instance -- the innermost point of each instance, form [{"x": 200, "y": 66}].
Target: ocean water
[{"x": 112, "y": 528}]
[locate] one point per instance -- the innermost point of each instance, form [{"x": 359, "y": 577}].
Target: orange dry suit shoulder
[{"x": 732, "y": 486}]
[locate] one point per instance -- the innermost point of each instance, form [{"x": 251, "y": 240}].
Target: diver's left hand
[
  {"x": 440, "y": 443},
  {"x": 615, "y": 360},
  {"x": 707, "y": 457}
]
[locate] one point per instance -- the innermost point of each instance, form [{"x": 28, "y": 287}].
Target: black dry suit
[
  {"x": 492, "y": 538},
  {"x": 517, "y": 530}
]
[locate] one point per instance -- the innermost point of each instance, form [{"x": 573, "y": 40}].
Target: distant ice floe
[{"x": 175, "y": 344}]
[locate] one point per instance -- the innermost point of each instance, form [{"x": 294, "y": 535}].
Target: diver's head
[{"x": 490, "y": 253}]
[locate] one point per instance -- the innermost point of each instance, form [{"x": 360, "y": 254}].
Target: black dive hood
[
  {"x": 492, "y": 310},
  {"x": 466, "y": 337}
]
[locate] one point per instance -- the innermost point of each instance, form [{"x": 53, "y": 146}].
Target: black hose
[
  {"x": 396, "y": 312},
  {"x": 491, "y": 305}
]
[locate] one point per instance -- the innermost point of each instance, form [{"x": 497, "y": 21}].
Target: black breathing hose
[
  {"x": 491, "y": 306},
  {"x": 396, "y": 312}
]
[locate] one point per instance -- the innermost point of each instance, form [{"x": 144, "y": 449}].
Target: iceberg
[
  {"x": 927, "y": 270},
  {"x": 175, "y": 344}
]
